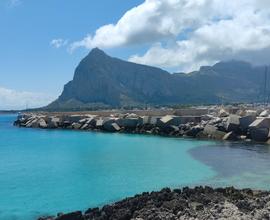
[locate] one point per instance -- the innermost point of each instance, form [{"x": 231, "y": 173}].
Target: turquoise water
[
  {"x": 45, "y": 172},
  {"x": 48, "y": 171}
]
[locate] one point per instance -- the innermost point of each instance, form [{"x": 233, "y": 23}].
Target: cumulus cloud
[
  {"x": 185, "y": 34},
  {"x": 245, "y": 36},
  {"x": 57, "y": 43},
  {"x": 151, "y": 21},
  {"x": 11, "y": 99}
]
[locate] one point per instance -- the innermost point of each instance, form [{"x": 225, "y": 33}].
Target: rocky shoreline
[
  {"x": 219, "y": 124},
  {"x": 183, "y": 204},
  {"x": 248, "y": 125}
]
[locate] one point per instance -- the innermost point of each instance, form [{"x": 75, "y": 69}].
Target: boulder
[
  {"x": 66, "y": 124},
  {"x": 260, "y": 123},
  {"x": 73, "y": 118},
  {"x": 174, "y": 128},
  {"x": 115, "y": 127},
  {"x": 196, "y": 206},
  {"x": 215, "y": 120},
  {"x": 85, "y": 126},
  {"x": 207, "y": 117},
  {"x": 264, "y": 113},
  {"x": 209, "y": 129},
  {"x": 243, "y": 137},
  {"x": 153, "y": 120},
  {"x": 42, "y": 123},
  {"x": 170, "y": 129},
  {"x": 131, "y": 115},
  {"x": 188, "y": 119},
  {"x": 128, "y": 122},
  {"x": 166, "y": 119},
  {"x": 100, "y": 122},
  {"x": 231, "y": 136},
  {"x": 241, "y": 112},
  {"x": 233, "y": 123},
  {"x": 55, "y": 119},
  {"x": 53, "y": 122},
  {"x": 76, "y": 125},
  {"x": 169, "y": 120},
  {"x": 92, "y": 121},
  {"x": 246, "y": 121},
  {"x": 33, "y": 123},
  {"x": 212, "y": 132},
  {"x": 71, "y": 216},
  {"x": 105, "y": 123},
  {"x": 111, "y": 126},
  {"x": 148, "y": 120},
  {"x": 23, "y": 117},
  {"x": 251, "y": 112},
  {"x": 84, "y": 120},
  {"x": 268, "y": 142},
  {"x": 143, "y": 120},
  {"x": 87, "y": 123},
  {"x": 223, "y": 113},
  {"x": 29, "y": 122},
  {"x": 194, "y": 131},
  {"x": 259, "y": 134}
]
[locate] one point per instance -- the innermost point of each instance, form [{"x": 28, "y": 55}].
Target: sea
[{"x": 44, "y": 172}]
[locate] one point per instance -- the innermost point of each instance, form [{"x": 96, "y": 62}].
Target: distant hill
[{"x": 104, "y": 81}]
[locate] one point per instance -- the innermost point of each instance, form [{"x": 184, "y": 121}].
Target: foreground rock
[
  {"x": 199, "y": 203},
  {"x": 242, "y": 125}
]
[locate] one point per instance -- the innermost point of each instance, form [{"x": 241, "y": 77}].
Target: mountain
[{"x": 104, "y": 81}]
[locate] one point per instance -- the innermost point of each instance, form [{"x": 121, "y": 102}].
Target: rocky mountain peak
[
  {"x": 97, "y": 52},
  {"x": 101, "y": 80}
]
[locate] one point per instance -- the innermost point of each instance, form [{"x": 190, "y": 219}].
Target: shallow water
[
  {"x": 238, "y": 164},
  {"x": 49, "y": 171}
]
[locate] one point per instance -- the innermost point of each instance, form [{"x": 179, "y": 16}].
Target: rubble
[{"x": 218, "y": 124}]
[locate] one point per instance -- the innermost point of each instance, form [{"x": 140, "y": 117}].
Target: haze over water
[{"x": 49, "y": 171}]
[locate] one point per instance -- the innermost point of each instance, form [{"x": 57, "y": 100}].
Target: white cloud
[
  {"x": 11, "y": 99},
  {"x": 14, "y": 3},
  {"x": 151, "y": 21},
  {"x": 57, "y": 43},
  {"x": 238, "y": 38},
  {"x": 185, "y": 34}
]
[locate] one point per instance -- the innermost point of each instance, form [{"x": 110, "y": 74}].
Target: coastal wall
[
  {"x": 139, "y": 112},
  {"x": 220, "y": 124}
]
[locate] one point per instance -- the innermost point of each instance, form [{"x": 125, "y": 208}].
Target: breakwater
[{"x": 244, "y": 125}]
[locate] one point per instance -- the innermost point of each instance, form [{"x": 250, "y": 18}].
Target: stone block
[
  {"x": 259, "y": 134},
  {"x": 233, "y": 123}
]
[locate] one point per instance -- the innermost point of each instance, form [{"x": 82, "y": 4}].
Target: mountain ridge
[{"x": 103, "y": 81}]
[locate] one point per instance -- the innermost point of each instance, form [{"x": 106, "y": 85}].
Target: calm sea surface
[{"x": 48, "y": 171}]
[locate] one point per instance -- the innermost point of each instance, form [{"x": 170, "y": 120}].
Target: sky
[{"x": 41, "y": 42}]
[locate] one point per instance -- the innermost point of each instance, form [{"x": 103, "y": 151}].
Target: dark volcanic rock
[
  {"x": 72, "y": 216},
  {"x": 199, "y": 203}
]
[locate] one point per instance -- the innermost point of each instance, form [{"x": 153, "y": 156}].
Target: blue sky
[
  {"x": 27, "y": 60},
  {"x": 41, "y": 42}
]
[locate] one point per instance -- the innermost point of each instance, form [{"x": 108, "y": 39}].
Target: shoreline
[
  {"x": 243, "y": 125},
  {"x": 186, "y": 203}
]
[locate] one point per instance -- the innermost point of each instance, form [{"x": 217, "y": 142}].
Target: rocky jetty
[
  {"x": 183, "y": 204},
  {"x": 218, "y": 124}
]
